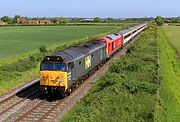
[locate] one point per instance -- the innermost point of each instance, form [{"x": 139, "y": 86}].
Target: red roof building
[
  {"x": 45, "y": 22},
  {"x": 33, "y": 22}
]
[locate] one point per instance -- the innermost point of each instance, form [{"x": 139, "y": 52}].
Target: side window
[
  {"x": 71, "y": 65},
  {"x": 112, "y": 45}
]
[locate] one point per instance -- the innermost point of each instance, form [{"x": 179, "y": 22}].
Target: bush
[
  {"x": 136, "y": 86},
  {"x": 159, "y": 21},
  {"x": 133, "y": 67},
  {"x": 130, "y": 49},
  {"x": 43, "y": 49}
]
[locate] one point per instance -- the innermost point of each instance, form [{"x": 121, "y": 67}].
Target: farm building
[
  {"x": 27, "y": 22},
  {"x": 45, "y": 22},
  {"x": 2, "y": 23},
  {"x": 33, "y": 22}
]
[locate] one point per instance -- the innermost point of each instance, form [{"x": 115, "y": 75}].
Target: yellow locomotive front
[{"x": 53, "y": 77}]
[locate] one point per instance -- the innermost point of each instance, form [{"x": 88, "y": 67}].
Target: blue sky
[{"x": 90, "y": 8}]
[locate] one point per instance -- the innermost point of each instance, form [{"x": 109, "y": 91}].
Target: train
[{"x": 63, "y": 71}]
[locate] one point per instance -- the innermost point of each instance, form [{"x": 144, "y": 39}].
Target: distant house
[
  {"x": 45, "y": 22},
  {"x": 33, "y": 22},
  {"x": 2, "y": 23},
  {"x": 27, "y": 22}
]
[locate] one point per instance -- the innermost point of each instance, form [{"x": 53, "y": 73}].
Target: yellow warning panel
[{"x": 53, "y": 78}]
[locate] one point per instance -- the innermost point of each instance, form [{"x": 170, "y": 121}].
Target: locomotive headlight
[{"x": 60, "y": 80}]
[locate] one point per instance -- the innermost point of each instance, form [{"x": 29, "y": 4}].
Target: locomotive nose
[{"x": 53, "y": 79}]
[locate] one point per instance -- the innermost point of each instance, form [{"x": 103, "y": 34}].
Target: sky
[{"x": 90, "y": 8}]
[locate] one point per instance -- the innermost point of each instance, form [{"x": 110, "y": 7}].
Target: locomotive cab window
[
  {"x": 71, "y": 65},
  {"x": 47, "y": 66},
  {"x": 59, "y": 67},
  {"x": 53, "y": 66}
]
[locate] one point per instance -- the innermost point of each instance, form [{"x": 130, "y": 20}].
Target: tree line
[
  {"x": 56, "y": 20},
  {"x": 159, "y": 20}
]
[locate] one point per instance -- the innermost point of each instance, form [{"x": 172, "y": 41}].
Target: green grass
[
  {"x": 20, "y": 40},
  {"x": 173, "y": 35},
  {"x": 128, "y": 91},
  {"x": 170, "y": 72}
]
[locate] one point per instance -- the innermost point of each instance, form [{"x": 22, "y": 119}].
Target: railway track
[
  {"x": 14, "y": 102},
  {"x": 38, "y": 107},
  {"x": 38, "y": 112}
]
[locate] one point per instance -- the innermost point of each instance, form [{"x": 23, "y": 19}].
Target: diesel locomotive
[{"x": 62, "y": 71}]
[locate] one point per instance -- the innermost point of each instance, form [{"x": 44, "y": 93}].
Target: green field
[
  {"x": 18, "y": 40},
  {"x": 128, "y": 91},
  {"x": 169, "y": 45},
  {"x": 173, "y": 34}
]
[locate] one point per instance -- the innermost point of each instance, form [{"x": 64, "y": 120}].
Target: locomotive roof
[
  {"x": 76, "y": 52},
  {"x": 129, "y": 30},
  {"x": 113, "y": 36}
]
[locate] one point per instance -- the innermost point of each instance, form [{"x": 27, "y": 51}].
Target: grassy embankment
[
  {"x": 128, "y": 91},
  {"x": 19, "y": 48},
  {"x": 170, "y": 71}
]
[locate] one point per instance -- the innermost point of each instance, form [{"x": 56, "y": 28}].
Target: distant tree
[
  {"x": 75, "y": 20},
  {"x": 35, "y": 18},
  {"x": 6, "y": 19},
  {"x": 97, "y": 19},
  {"x": 43, "y": 18},
  {"x": 159, "y": 21},
  {"x": 16, "y": 17},
  {"x": 55, "y": 20},
  {"x": 66, "y": 20},
  {"x": 110, "y": 19},
  {"x": 10, "y": 21}
]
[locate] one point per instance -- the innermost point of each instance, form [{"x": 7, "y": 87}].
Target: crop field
[
  {"x": 173, "y": 34},
  {"x": 128, "y": 90},
  {"x": 15, "y": 41},
  {"x": 170, "y": 71}
]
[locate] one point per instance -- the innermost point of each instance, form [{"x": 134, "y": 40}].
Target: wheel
[{"x": 69, "y": 91}]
